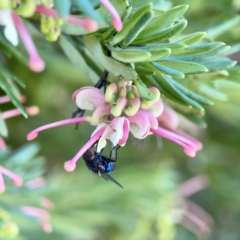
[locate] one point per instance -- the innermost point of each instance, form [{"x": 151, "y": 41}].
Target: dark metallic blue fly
[{"x": 100, "y": 165}]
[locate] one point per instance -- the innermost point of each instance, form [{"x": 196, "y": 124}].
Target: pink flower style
[
  {"x": 117, "y": 113},
  {"x": 41, "y": 214},
  {"x": 32, "y": 110}
]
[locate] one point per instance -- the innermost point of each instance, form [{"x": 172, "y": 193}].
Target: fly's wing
[{"x": 108, "y": 177}]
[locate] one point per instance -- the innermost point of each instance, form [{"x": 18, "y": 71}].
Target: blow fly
[{"x": 100, "y": 165}]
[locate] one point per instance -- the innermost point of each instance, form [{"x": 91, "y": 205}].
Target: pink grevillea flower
[
  {"x": 116, "y": 131},
  {"x": 193, "y": 217},
  {"x": 87, "y": 23},
  {"x": 169, "y": 122},
  {"x": 117, "y": 23},
  {"x": 16, "y": 180},
  {"x": 41, "y": 214}
]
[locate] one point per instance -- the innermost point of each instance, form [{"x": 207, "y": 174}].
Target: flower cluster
[
  {"x": 119, "y": 111},
  {"x": 11, "y": 12}
]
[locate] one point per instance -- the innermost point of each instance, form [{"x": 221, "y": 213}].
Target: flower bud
[
  {"x": 5, "y": 4},
  {"x": 117, "y": 110},
  {"x": 132, "y": 107},
  {"x": 27, "y": 8},
  {"x": 111, "y": 91},
  {"x": 155, "y": 92},
  {"x": 53, "y": 34},
  {"x": 123, "y": 92}
]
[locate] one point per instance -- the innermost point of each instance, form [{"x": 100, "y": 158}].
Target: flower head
[{"x": 118, "y": 112}]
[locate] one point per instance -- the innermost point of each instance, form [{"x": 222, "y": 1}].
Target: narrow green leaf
[
  {"x": 192, "y": 38},
  {"x": 76, "y": 58},
  {"x": 24, "y": 153},
  {"x": 200, "y": 99},
  {"x": 220, "y": 29},
  {"x": 176, "y": 46},
  {"x": 116, "y": 68},
  {"x": 159, "y": 54},
  {"x": 143, "y": 90},
  {"x": 213, "y": 93},
  {"x": 184, "y": 67},
  {"x": 129, "y": 55},
  {"x": 202, "y": 48},
  {"x": 139, "y": 26},
  {"x": 196, "y": 120},
  {"x": 131, "y": 22},
  {"x": 168, "y": 71},
  {"x": 144, "y": 71},
  {"x": 167, "y": 82},
  {"x": 6, "y": 71},
  {"x": 7, "y": 88},
  {"x": 217, "y": 65},
  {"x": 203, "y": 55},
  {"x": 163, "y": 34},
  {"x": 165, "y": 20},
  {"x": 21, "y": 58},
  {"x": 62, "y": 7}
]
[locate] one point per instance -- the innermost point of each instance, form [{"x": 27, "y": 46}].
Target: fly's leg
[{"x": 116, "y": 153}]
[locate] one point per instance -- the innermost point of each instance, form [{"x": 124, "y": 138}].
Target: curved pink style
[
  {"x": 35, "y": 63},
  {"x": 191, "y": 152},
  {"x": 33, "y": 134},
  {"x": 70, "y": 165},
  {"x": 117, "y": 22},
  {"x": 16, "y": 180}
]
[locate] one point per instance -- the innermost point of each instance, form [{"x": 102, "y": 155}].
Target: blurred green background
[{"x": 87, "y": 207}]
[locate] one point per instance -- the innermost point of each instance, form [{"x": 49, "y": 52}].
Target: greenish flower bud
[
  {"x": 8, "y": 229},
  {"x": 123, "y": 92},
  {"x": 117, "y": 110},
  {"x": 53, "y": 35},
  {"x": 132, "y": 107},
  {"x": 5, "y": 4},
  {"x": 111, "y": 91},
  {"x": 27, "y": 8},
  {"x": 59, "y": 22}
]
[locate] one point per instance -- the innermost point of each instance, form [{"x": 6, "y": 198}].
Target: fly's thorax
[{"x": 89, "y": 155}]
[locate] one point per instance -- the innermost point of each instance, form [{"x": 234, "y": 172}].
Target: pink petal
[
  {"x": 139, "y": 124},
  {"x": 168, "y": 119},
  {"x": 157, "y": 108},
  {"x": 126, "y": 128},
  {"x": 88, "y": 98},
  {"x": 100, "y": 112}
]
